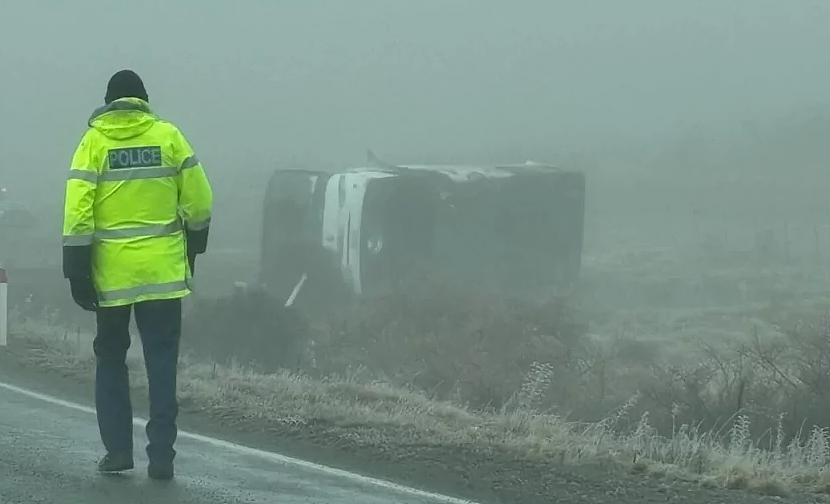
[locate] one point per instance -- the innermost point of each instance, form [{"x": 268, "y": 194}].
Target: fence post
[{"x": 4, "y": 307}]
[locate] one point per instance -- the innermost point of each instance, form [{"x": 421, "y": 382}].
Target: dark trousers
[{"x": 159, "y": 324}]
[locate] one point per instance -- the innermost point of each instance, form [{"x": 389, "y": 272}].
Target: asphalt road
[{"x": 48, "y": 452}]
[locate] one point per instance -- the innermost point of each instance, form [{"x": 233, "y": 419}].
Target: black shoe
[
  {"x": 160, "y": 470},
  {"x": 116, "y": 462}
]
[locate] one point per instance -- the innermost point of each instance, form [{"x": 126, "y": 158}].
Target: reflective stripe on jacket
[{"x": 134, "y": 185}]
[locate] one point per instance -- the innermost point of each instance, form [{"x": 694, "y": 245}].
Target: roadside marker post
[{"x": 4, "y": 307}]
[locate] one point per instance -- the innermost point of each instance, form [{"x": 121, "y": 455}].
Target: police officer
[{"x": 137, "y": 214}]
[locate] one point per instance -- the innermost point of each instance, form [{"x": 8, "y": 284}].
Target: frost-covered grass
[
  {"x": 703, "y": 365},
  {"x": 727, "y": 455}
]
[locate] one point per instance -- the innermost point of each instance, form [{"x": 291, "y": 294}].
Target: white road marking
[{"x": 275, "y": 457}]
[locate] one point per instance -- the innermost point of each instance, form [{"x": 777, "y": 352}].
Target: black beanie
[{"x": 125, "y": 84}]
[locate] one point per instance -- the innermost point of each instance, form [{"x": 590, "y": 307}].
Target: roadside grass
[
  {"x": 711, "y": 368},
  {"x": 707, "y": 436}
]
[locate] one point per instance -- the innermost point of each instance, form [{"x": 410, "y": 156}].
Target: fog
[
  {"x": 257, "y": 84},
  {"x": 703, "y": 129},
  {"x": 684, "y": 112}
]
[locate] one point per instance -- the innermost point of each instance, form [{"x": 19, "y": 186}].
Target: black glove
[
  {"x": 77, "y": 268},
  {"x": 83, "y": 293},
  {"x": 191, "y": 259},
  {"x": 196, "y": 244}
]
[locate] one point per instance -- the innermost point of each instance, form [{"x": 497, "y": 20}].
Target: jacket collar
[{"x": 123, "y": 104}]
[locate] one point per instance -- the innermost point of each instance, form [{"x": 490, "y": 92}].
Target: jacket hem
[{"x": 145, "y": 297}]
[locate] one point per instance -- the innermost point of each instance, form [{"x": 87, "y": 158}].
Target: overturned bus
[{"x": 327, "y": 238}]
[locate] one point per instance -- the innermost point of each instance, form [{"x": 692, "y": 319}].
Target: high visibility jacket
[{"x": 135, "y": 193}]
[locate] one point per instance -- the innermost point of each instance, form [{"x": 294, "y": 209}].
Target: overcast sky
[{"x": 257, "y": 83}]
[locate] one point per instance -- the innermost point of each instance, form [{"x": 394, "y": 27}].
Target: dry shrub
[
  {"x": 798, "y": 371},
  {"x": 779, "y": 386},
  {"x": 474, "y": 349},
  {"x": 250, "y": 327}
]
